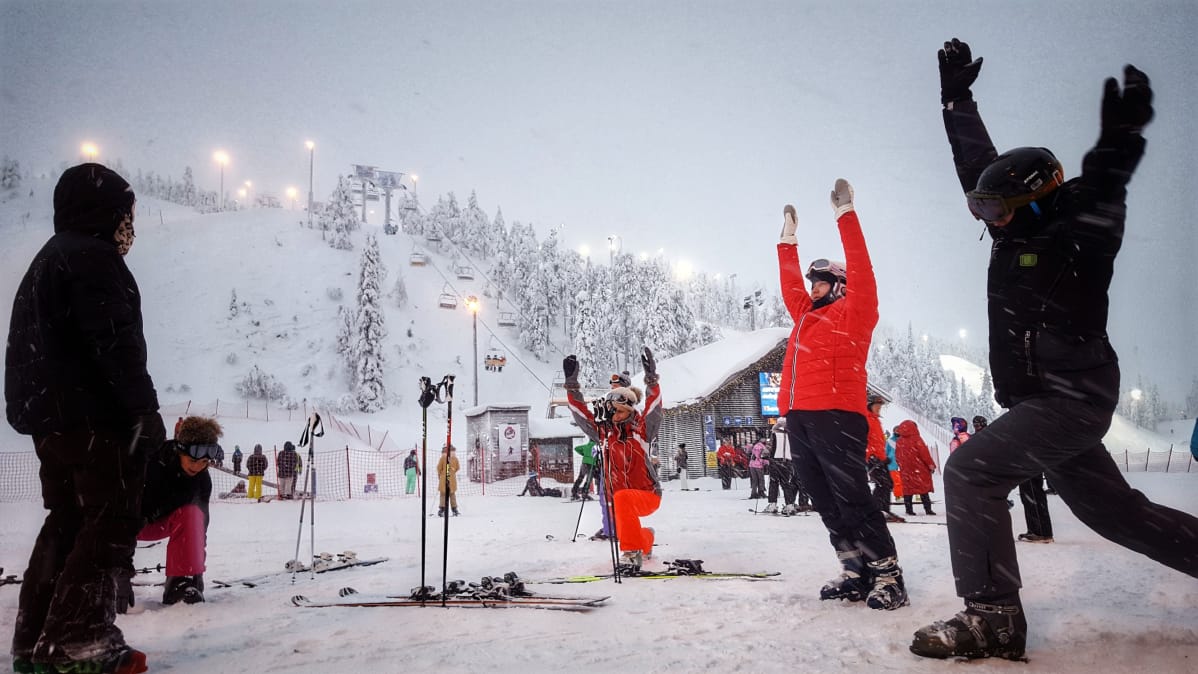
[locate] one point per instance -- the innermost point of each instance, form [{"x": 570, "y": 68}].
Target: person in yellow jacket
[{"x": 448, "y": 452}]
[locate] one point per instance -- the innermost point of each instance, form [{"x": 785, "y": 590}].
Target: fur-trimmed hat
[{"x": 198, "y": 431}]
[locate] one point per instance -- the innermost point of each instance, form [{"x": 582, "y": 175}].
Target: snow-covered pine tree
[
  {"x": 10, "y": 174},
  {"x": 346, "y": 344},
  {"x": 339, "y": 213},
  {"x": 475, "y": 228},
  {"x": 400, "y": 291},
  {"x": 370, "y": 330},
  {"x": 587, "y": 334}
]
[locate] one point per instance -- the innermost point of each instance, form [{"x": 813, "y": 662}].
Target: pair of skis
[
  {"x": 679, "y": 568},
  {"x": 508, "y": 591},
  {"x": 322, "y": 564}
]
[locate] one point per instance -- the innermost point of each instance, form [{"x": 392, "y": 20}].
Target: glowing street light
[
  {"x": 584, "y": 250},
  {"x": 89, "y": 151},
  {"x": 962, "y": 333},
  {"x": 221, "y": 157},
  {"x": 291, "y": 194},
  {"x": 1136, "y": 394},
  {"x": 249, "y": 188},
  {"x": 311, "y": 162},
  {"x": 472, "y": 304}
]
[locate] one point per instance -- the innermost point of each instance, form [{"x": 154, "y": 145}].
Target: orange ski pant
[{"x": 631, "y": 505}]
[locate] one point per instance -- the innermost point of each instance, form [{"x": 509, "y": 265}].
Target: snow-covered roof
[
  {"x": 689, "y": 377},
  {"x": 539, "y": 427}
]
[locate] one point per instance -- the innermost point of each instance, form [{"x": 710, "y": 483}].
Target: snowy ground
[{"x": 1092, "y": 606}]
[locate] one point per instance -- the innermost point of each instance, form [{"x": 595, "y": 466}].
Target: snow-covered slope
[{"x": 189, "y": 265}]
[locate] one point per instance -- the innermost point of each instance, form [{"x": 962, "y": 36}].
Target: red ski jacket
[
  {"x": 625, "y": 453},
  {"x": 914, "y": 460},
  {"x": 825, "y": 357}
]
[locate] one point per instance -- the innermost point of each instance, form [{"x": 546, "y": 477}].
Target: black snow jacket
[
  {"x": 76, "y": 356},
  {"x": 168, "y": 488},
  {"x": 1049, "y": 274},
  {"x": 256, "y": 464},
  {"x": 287, "y": 460}
]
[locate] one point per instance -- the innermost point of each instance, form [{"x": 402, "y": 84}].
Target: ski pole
[
  {"x": 447, "y": 383},
  {"x": 426, "y": 398},
  {"x": 586, "y": 491}
]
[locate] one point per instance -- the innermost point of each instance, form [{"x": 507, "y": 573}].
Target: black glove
[
  {"x": 570, "y": 369},
  {"x": 148, "y": 433},
  {"x": 1129, "y": 112},
  {"x": 958, "y": 71},
  {"x": 649, "y": 366},
  {"x": 427, "y": 393},
  {"x": 124, "y": 591}
]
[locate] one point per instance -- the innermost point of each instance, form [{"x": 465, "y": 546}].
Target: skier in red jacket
[{"x": 823, "y": 396}]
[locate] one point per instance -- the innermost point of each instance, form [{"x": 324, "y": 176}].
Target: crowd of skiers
[{"x": 76, "y": 382}]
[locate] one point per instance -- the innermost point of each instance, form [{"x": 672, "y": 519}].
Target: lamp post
[
  {"x": 89, "y": 151},
  {"x": 311, "y": 162},
  {"x": 472, "y": 305},
  {"x": 291, "y": 194},
  {"x": 221, "y": 158}
]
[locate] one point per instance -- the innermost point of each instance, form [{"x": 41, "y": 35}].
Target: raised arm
[
  {"x": 578, "y": 404},
  {"x": 790, "y": 272},
  {"x": 972, "y": 148}
]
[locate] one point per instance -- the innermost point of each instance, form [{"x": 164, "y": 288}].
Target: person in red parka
[
  {"x": 629, "y": 476},
  {"x": 823, "y": 396},
  {"x": 916, "y": 465},
  {"x": 876, "y": 462}
]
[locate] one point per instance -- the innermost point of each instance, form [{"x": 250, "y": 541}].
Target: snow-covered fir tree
[
  {"x": 10, "y": 174},
  {"x": 339, "y": 215},
  {"x": 400, "y": 292},
  {"x": 370, "y": 329},
  {"x": 346, "y": 343}
]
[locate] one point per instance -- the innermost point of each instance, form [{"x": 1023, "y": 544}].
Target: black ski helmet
[{"x": 1015, "y": 178}]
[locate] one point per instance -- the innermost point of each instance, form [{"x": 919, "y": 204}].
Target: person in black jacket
[
  {"x": 174, "y": 505},
  {"x": 286, "y": 464},
  {"x": 75, "y": 379},
  {"x": 255, "y": 467},
  {"x": 1051, "y": 262}
]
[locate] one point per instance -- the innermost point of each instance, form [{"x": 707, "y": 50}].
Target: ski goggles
[
  {"x": 620, "y": 380},
  {"x": 825, "y": 266},
  {"x": 201, "y": 452}
]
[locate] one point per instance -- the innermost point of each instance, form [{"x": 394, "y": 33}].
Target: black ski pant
[
  {"x": 1063, "y": 439},
  {"x": 582, "y": 485},
  {"x": 726, "y": 476},
  {"x": 91, "y": 486},
  {"x": 925, "y": 499},
  {"x": 828, "y": 447},
  {"x": 782, "y": 473},
  {"x": 1035, "y": 507},
  {"x": 883, "y": 485}
]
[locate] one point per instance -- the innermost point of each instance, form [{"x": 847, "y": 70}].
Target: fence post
[
  {"x": 382, "y": 440},
  {"x": 1169, "y": 461},
  {"x": 1126, "y": 466},
  {"x": 1146, "y": 457},
  {"x": 267, "y": 407},
  {"x": 187, "y": 409},
  {"x": 369, "y": 442},
  {"x": 349, "y": 483},
  {"x": 247, "y": 408},
  {"x": 216, "y": 413}
]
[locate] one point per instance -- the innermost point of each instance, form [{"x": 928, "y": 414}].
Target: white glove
[
  {"x": 790, "y": 223},
  {"x": 842, "y": 197}
]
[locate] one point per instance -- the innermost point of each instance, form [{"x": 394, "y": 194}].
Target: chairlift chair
[
  {"x": 418, "y": 259},
  {"x": 506, "y": 319},
  {"x": 447, "y": 300},
  {"x": 495, "y": 358},
  {"x": 465, "y": 272}
]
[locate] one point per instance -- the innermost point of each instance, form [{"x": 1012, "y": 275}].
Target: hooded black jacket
[
  {"x": 1049, "y": 274},
  {"x": 76, "y": 355}
]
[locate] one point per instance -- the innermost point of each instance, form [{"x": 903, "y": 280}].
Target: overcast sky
[{"x": 683, "y": 126}]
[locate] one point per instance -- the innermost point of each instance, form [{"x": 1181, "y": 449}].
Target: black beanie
[{"x": 91, "y": 198}]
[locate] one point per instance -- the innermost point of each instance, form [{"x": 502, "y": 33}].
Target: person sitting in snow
[
  {"x": 533, "y": 486},
  {"x": 625, "y": 436},
  {"x": 174, "y": 505}
]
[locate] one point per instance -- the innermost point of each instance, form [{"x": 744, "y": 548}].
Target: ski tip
[
  {"x": 346, "y": 591},
  {"x": 299, "y": 600}
]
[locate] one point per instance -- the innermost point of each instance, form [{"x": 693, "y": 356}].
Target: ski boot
[
  {"x": 790, "y": 509},
  {"x": 888, "y": 592},
  {"x": 632, "y": 560},
  {"x": 771, "y": 509},
  {"x": 295, "y": 565},
  {"x": 980, "y": 631},
  {"x": 349, "y": 556},
  {"x": 685, "y": 567},
  {"x": 1034, "y": 538},
  {"x": 850, "y": 584},
  {"x": 188, "y": 589},
  {"x": 516, "y": 585},
  {"x": 123, "y": 661},
  {"x": 440, "y": 512},
  {"x": 456, "y": 513}
]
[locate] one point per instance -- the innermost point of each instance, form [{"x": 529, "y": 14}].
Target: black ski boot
[
  {"x": 685, "y": 567},
  {"x": 187, "y": 589},
  {"x": 888, "y": 592},
  {"x": 440, "y": 512},
  {"x": 124, "y": 660},
  {"x": 980, "y": 631},
  {"x": 851, "y": 584}
]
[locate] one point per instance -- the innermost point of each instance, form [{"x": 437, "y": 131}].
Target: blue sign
[{"x": 769, "y": 383}]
